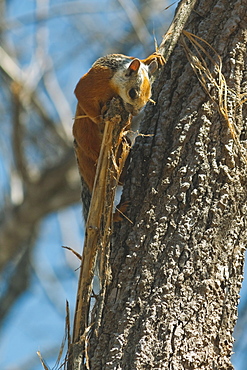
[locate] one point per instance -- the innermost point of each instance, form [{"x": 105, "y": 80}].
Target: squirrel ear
[
  {"x": 153, "y": 66},
  {"x": 133, "y": 67}
]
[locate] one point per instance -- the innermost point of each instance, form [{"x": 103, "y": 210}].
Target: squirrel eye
[{"x": 133, "y": 93}]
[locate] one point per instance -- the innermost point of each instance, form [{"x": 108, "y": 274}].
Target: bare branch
[
  {"x": 173, "y": 33},
  {"x": 15, "y": 74},
  {"x": 17, "y": 280},
  {"x": 99, "y": 228},
  {"x": 57, "y": 96},
  {"x": 47, "y": 194},
  {"x": 136, "y": 20},
  {"x": 18, "y": 136}
]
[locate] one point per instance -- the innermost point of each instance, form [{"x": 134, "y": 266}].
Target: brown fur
[{"x": 93, "y": 91}]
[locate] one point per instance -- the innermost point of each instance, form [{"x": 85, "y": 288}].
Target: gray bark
[{"x": 177, "y": 270}]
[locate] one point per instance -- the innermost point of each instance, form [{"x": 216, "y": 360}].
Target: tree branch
[
  {"x": 58, "y": 187},
  {"x": 173, "y": 33},
  {"x": 15, "y": 74},
  {"x": 99, "y": 228}
]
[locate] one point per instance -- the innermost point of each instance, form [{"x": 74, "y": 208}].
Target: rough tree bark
[{"x": 177, "y": 270}]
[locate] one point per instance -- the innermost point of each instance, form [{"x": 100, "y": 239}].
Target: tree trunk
[{"x": 177, "y": 270}]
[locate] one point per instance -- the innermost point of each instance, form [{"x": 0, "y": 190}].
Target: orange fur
[
  {"x": 92, "y": 94},
  {"x": 97, "y": 87}
]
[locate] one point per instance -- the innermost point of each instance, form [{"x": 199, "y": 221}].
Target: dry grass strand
[{"x": 200, "y": 67}]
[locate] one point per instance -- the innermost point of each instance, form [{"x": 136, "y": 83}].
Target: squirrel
[{"x": 110, "y": 76}]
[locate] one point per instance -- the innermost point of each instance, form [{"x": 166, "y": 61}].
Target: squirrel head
[{"x": 133, "y": 84}]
